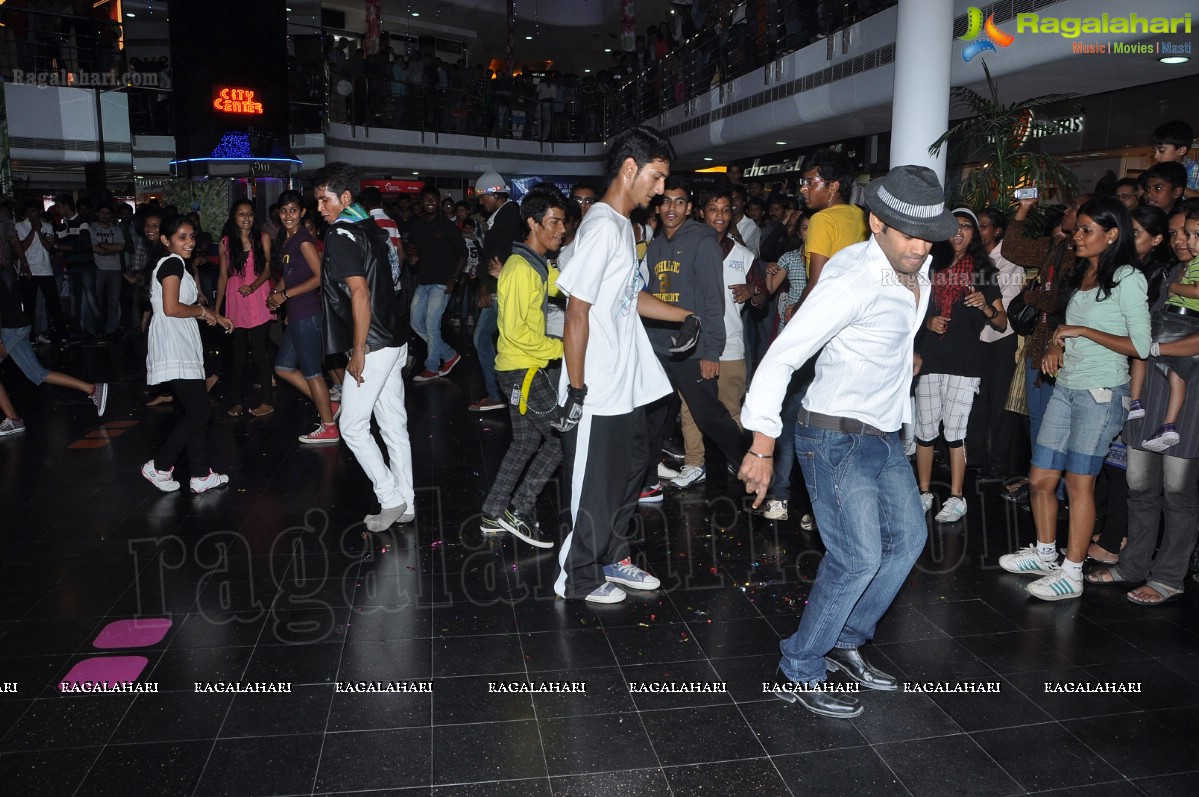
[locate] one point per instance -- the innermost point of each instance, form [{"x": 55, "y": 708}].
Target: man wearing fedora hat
[{"x": 862, "y": 317}]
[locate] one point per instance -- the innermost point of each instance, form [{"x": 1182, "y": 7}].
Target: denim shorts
[
  {"x": 16, "y": 343},
  {"x": 302, "y": 344},
  {"x": 1078, "y": 428}
]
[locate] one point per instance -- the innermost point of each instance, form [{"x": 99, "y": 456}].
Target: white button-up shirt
[{"x": 866, "y": 321}]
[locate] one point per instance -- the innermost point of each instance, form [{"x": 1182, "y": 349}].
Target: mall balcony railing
[
  {"x": 721, "y": 52},
  {"x": 594, "y": 107},
  {"x": 60, "y": 49}
]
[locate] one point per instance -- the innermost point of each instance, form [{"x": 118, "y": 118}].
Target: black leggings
[
  {"x": 191, "y": 431},
  {"x": 254, "y": 339}
]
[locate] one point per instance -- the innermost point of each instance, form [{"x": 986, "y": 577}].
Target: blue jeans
[
  {"x": 867, "y": 507},
  {"x": 1078, "y": 429},
  {"x": 85, "y": 309},
  {"x": 428, "y": 306},
  {"x": 486, "y": 329},
  {"x": 108, "y": 297},
  {"x": 1038, "y": 398},
  {"x": 784, "y": 447},
  {"x": 302, "y": 346}
]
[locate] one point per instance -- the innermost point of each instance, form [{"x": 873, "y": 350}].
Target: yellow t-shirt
[{"x": 833, "y": 229}]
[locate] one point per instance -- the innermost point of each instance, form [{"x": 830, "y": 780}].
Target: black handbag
[{"x": 1022, "y": 315}]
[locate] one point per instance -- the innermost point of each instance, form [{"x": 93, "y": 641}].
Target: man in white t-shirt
[
  {"x": 34, "y": 242},
  {"x": 611, "y": 374},
  {"x": 108, "y": 243}
]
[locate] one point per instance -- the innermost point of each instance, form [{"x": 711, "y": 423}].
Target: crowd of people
[
  {"x": 774, "y": 327},
  {"x": 697, "y": 45}
]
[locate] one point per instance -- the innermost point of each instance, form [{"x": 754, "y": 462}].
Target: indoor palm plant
[{"x": 993, "y": 139}]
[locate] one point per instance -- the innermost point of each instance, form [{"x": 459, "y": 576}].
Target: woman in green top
[{"x": 1107, "y": 321}]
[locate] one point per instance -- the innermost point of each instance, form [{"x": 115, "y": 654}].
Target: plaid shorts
[{"x": 944, "y": 399}]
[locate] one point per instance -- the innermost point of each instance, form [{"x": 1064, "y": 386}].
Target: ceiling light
[
  {"x": 416, "y": 13},
  {"x": 781, "y": 143},
  {"x": 607, "y": 49},
  {"x": 416, "y": 172},
  {"x": 130, "y": 14},
  {"x": 1174, "y": 59},
  {"x": 707, "y": 159},
  {"x": 586, "y": 70},
  {"x": 528, "y": 38}
]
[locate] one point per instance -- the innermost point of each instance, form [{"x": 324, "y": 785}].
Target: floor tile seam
[
  {"x": 758, "y": 739},
  {"x": 99, "y": 752},
  {"x": 533, "y": 703},
  {"x": 636, "y": 710},
  {"x": 1129, "y": 781},
  {"x": 333, "y": 692},
  {"x": 1019, "y": 789},
  {"x": 1065, "y": 725},
  {"x": 1157, "y": 730}
]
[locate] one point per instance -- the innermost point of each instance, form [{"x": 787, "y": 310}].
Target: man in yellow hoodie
[{"x": 522, "y": 358}]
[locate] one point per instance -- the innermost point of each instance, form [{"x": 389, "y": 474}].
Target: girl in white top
[{"x": 175, "y": 356}]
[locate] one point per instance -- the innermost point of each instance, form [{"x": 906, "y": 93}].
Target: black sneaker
[
  {"x": 490, "y": 525},
  {"x": 521, "y": 528}
]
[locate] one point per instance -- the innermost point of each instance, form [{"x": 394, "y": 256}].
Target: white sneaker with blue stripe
[
  {"x": 1057, "y": 587},
  {"x": 1027, "y": 562}
]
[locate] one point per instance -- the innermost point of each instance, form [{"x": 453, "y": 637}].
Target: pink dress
[{"x": 246, "y": 311}]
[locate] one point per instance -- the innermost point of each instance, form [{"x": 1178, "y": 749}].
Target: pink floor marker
[
  {"x": 132, "y": 633},
  {"x": 108, "y": 670}
]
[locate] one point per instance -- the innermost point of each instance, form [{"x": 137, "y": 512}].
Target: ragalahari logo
[{"x": 991, "y": 35}]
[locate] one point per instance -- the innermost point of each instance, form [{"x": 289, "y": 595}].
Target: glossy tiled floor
[{"x": 271, "y": 580}]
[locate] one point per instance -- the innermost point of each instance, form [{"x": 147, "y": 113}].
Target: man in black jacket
[
  {"x": 364, "y": 321},
  {"x": 504, "y": 228},
  {"x": 686, "y": 268}
]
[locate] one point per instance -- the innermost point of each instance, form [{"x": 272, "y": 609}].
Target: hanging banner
[
  {"x": 374, "y": 26},
  {"x": 511, "y": 36},
  {"x": 628, "y": 27}
]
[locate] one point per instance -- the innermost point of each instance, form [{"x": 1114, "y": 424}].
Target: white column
[{"x": 924, "y": 47}]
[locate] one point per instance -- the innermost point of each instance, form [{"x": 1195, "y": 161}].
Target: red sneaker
[
  {"x": 323, "y": 435},
  {"x": 335, "y": 406},
  {"x": 426, "y": 376},
  {"x": 485, "y": 404},
  {"x": 449, "y": 364}
]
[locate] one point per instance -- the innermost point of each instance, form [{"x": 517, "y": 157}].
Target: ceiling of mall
[{"x": 573, "y": 34}]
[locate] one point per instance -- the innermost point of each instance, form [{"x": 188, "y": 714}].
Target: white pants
[{"x": 381, "y": 393}]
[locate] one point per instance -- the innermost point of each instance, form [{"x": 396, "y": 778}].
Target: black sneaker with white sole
[
  {"x": 522, "y": 529},
  {"x": 490, "y": 525}
]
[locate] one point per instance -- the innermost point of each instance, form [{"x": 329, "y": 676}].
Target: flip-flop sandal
[
  {"x": 235, "y": 412},
  {"x": 1106, "y": 578},
  {"x": 261, "y": 413},
  {"x": 1168, "y": 594}
]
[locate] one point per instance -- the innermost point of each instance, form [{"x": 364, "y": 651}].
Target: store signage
[
  {"x": 227, "y": 99},
  {"x": 395, "y": 186},
  {"x": 757, "y": 170}
]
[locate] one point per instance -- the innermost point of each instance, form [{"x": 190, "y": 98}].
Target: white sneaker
[
  {"x": 606, "y": 593},
  {"x": 1056, "y": 587},
  {"x": 775, "y": 510},
  {"x": 926, "y": 502},
  {"x": 1027, "y": 562},
  {"x": 162, "y": 479},
  {"x": 666, "y": 472},
  {"x": 11, "y": 426},
  {"x": 335, "y": 393},
  {"x": 952, "y": 511},
  {"x": 689, "y": 475},
  {"x": 202, "y": 484}
]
